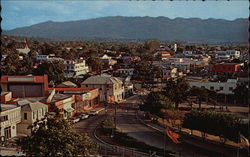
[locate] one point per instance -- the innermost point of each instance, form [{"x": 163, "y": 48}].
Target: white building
[
  {"x": 128, "y": 72},
  {"x": 219, "y": 87},
  {"x": 31, "y": 112},
  {"x": 231, "y": 53},
  {"x": 24, "y": 49},
  {"x": 10, "y": 116},
  {"x": 111, "y": 88},
  {"x": 74, "y": 68}
]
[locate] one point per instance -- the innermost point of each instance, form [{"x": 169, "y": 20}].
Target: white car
[
  {"x": 93, "y": 112},
  {"x": 75, "y": 119},
  {"x": 84, "y": 116}
]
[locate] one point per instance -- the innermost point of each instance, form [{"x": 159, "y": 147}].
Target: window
[
  {"x": 25, "y": 117},
  {"x": 3, "y": 118},
  {"x": 34, "y": 115},
  {"x": 230, "y": 88},
  {"x": 221, "y": 88}
]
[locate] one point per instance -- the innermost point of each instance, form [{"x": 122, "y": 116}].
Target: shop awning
[{"x": 69, "y": 109}]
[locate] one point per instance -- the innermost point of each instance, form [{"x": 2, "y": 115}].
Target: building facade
[
  {"x": 74, "y": 68},
  {"x": 110, "y": 88},
  {"x": 226, "y": 67},
  {"x": 31, "y": 112},
  {"x": 10, "y": 116},
  {"x": 25, "y": 86}
]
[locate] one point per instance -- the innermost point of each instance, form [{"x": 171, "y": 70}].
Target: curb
[{"x": 111, "y": 145}]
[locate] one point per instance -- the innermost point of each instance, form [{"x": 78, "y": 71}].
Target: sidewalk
[{"x": 4, "y": 151}]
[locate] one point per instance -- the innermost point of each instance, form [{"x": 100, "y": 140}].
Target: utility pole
[{"x": 115, "y": 119}]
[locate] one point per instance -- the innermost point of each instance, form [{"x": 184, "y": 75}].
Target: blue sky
[{"x": 19, "y": 13}]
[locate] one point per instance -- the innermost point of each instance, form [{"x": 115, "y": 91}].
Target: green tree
[
  {"x": 176, "y": 91},
  {"x": 224, "y": 125},
  {"x": 155, "y": 102},
  {"x": 54, "y": 70},
  {"x": 200, "y": 93},
  {"x": 57, "y": 138},
  {"x": 241, "y": 93},
  {"x": 95, "y": 63}
]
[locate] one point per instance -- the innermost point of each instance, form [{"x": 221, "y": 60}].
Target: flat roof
[{"x": 6, "y": 107}]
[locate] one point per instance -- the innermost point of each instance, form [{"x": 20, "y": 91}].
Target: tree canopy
[
  {"x": 54, "y": 70},
  {"x": 176, "y": 90},
  {"x": 220, "y": 124},
  {"x": 57, "y": 139},
  {"x": 155, "y": 102}
]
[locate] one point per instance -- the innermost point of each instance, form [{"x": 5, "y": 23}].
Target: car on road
[
  {"x": 84, "y": 116},
  {"x": 74, "y": 119},
  {"x": 93, "y": 112}
]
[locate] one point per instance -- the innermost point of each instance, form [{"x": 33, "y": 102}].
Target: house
[
  {"x": 22, "y": 47},
  {"x": 130, "y": 59},
  {"x": 5, "y": 97},
  {"x": 111, "y": 88},
  {"x": 74, "y": 68},
  {"x": 25, "y": 86},
  {"x": 67, "y": 84},
  {"x": 219, "y": 87},
  {"x": 32, "y": 113},
  {"x": 85, "y": 98},
  {"x": 163, "y": 54},
  {"x": 48, "y": 58},
  {"x": 10, "y": 116},
  {"x": 72, "y": 47},
  {"x": 169, "y": 72},
  {"x": 231, "y": 53},
  {"x": 127, "y": 72},
  {"x": 109, "y": 63},
  {"x": 65, "y": 104},
  {"x": 3, "y": 59},
  {"x": 222, "y": 57},
  {"x": 226, "y": 67},
  {"x": 105, "y": 57},
  {"x": 128, "y": 86}
]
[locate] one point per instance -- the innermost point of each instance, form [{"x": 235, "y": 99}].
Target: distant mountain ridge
[{"x": 126, "y": 28}]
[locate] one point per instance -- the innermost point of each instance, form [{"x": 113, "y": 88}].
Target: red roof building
[
  {"x": 226, "y": 67},
  {"x": 25, "y": 86}
]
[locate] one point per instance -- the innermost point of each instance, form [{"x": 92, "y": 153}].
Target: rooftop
[
  {"x": 58, "y": 97},
  {"x": 5, "y": 107}
]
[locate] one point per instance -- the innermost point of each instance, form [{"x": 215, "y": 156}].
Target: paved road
[{"x": 128, "y": 123}]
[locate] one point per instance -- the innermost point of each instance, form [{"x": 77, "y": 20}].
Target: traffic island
[{"x": 115, "y": 137}]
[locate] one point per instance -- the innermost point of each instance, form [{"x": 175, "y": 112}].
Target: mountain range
[{"x": 141, "y": 28}]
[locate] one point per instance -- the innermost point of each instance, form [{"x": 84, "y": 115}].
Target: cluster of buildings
[{"x": 26, "y": 101}]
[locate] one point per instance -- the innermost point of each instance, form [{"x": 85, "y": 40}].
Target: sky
[{"x": 19, "y": 13}]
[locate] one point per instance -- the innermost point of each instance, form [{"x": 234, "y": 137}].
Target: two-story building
[
  {"x": 110, "y": 88},
  {"x": 127, "y": 72},
  {"x": 65, "y": 104},
  {"x": 10, "y": 116},
  {"x": 74, "y": 68},
  {"x": 85, "y": 98},
  {"x": 32, "y": 112}
]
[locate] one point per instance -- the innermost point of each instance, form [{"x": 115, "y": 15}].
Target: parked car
[
  {"x": 84, "y": 116},
  {"x": 93, "y": 112},
  {"x": 75, "y": 119}
]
